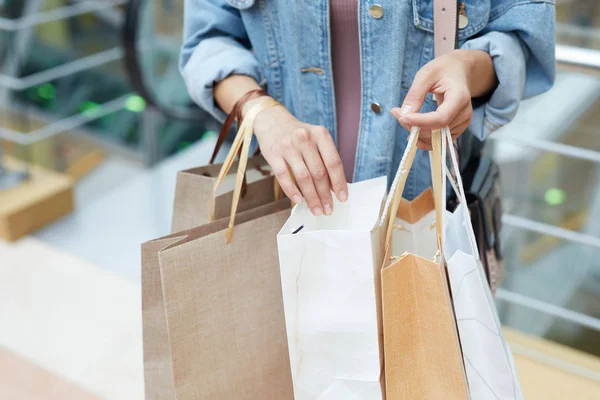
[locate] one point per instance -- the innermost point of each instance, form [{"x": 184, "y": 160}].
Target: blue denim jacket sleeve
[
  {"x": 215, "y": 46},
  {"x": 520, "y": 38}
]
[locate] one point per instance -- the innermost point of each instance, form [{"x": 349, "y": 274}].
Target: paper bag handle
[
  {"x": 395, "y": 195},
  {"x": 439, "y": 188},
  {"x": 241, "y": 144},
  {"x": 457, "y": 187}
]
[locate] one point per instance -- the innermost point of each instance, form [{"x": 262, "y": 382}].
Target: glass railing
[
  {"x": 550, "y": 160},
  {"x": 63, "y": 94},
  {"x": 64, "y": 91},
  {"x": 152, "y": 37},
  {"x": 578, "y": 23}
]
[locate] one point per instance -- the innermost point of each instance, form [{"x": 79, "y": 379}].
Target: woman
[{"x": 341, "y": 67}]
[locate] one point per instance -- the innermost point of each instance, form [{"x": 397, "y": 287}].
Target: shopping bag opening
[{"x": 360, "y": 213}]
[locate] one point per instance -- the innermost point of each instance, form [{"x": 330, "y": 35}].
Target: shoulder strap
[
  {"x": 445, "y": 30},
  {"x": 445, "y": 22}
]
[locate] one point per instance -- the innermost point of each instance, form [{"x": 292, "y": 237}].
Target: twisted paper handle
[
  {"x": 458, "y": 187},
  {"x": 395, "y": 195}
]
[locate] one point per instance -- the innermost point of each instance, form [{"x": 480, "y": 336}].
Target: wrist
[
  {"x": 481, "y": 74},
  {"x": 251, "y": 102}
]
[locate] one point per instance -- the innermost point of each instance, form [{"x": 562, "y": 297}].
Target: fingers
[
  {"x": 459, "y": 130},
  {"x": 318, "y": 172},
  {"x": 454, "y": 102},
  {"x": 310, "y": 153},
  {"x": 425, "y": 145},
  {"x": 458, "y": 119},
  {"x": 415, "y": 97},
  {"x": 333, "y": 163},
  {"x": 282, "y": 174},
  {"x": 294, "y": 159}
]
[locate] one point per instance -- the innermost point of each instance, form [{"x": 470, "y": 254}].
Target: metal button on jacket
[
  {"x": 463, "y": 18},
  {"x": 376, "y": 11},
  {"x": 376, "y": 107}
]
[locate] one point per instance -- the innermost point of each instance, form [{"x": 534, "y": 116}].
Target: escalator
[{"x": 152, "y": 39}]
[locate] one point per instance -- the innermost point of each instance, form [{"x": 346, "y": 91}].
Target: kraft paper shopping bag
[
  {"x": 194, "y": 193},
  {"x": 422, "y": 351},
  {"x": 213, "y": 313}
]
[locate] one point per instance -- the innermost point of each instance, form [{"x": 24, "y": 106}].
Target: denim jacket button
[
  {"x": 376, "y": 107},
  {"x": 463, "y": 18},
  {"x": 376, "y": 11}
]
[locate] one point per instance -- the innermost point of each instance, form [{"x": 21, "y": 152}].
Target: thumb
[{"x": 416, "y": 95}]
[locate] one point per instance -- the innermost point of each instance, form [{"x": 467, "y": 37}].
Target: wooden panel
[
  {"x": 20, "y": 379},
  {"x": 541, "y": 381},
  {"x": 43, "y": 198}
]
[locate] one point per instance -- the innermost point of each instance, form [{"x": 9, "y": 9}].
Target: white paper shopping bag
[
  {"x": 488, "y": 361},
  {"x": 330, "y": 275}
]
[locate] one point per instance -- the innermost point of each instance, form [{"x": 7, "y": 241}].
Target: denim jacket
[{"x": 285, "y": 45}]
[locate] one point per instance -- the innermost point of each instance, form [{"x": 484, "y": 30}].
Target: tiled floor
[
  {"x": 22, "y": 379},
  {"x": 64, "y": 318}
]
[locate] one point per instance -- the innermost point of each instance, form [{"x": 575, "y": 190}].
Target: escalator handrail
[{"x": 133, "y": 66}]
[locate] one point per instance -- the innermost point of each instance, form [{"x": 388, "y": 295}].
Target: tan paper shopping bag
[
  {"x": 194, "y": 193},
  {"x": 222, "y": 302},
  {"x": 158, "y": 369},
  {"x": 195, "y": 203},
  {"x": 224, "y": 311},
  {"x": 422, "y": 355},
  {"x": 158, "y": 365},
  {"x": 423, "y": 358}
]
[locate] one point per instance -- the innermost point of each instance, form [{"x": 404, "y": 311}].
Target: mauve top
[{"x": 345, "y": 53}]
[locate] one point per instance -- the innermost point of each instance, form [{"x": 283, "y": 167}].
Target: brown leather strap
[{"x": 235, "y": 114}]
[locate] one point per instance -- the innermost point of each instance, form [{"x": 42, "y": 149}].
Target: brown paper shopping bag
[
  {"x": 194, "y": 193},
  {"x": 158, "y": 368},
  {"x": 158, "y": 364},
  {"x": 195, "y": 203},
  {"x": 224, "y": 329},
  {"x": 423, "y": 358},
  {"x": 222, "y": 305}
]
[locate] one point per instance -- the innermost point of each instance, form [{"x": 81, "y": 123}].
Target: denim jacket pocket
[
  {"x": 241, "y": 4},
  {"x": 477, "y": 12}
]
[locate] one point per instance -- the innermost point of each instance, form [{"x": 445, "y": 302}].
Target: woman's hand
[
  {"x": 454, "y": 79},
  {"x": 310, "y": 153}
]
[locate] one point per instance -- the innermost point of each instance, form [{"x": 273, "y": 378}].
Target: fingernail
[
  {"x": 296, "y": 199},
  {"x": 317, "y": 211},
  {"x": 395, "y": 112},
  {"x": 343, "y": 196},
  {"x": 327, "y": 209},
  {"x": 406, "y": 110}
]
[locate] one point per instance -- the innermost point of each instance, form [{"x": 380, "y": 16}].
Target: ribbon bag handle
[
  {"x": 235, "y": 114},
  {"x": 241, "y": 145}
]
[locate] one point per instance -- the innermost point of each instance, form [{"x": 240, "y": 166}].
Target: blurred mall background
[{"x": 95, "y": 122}]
